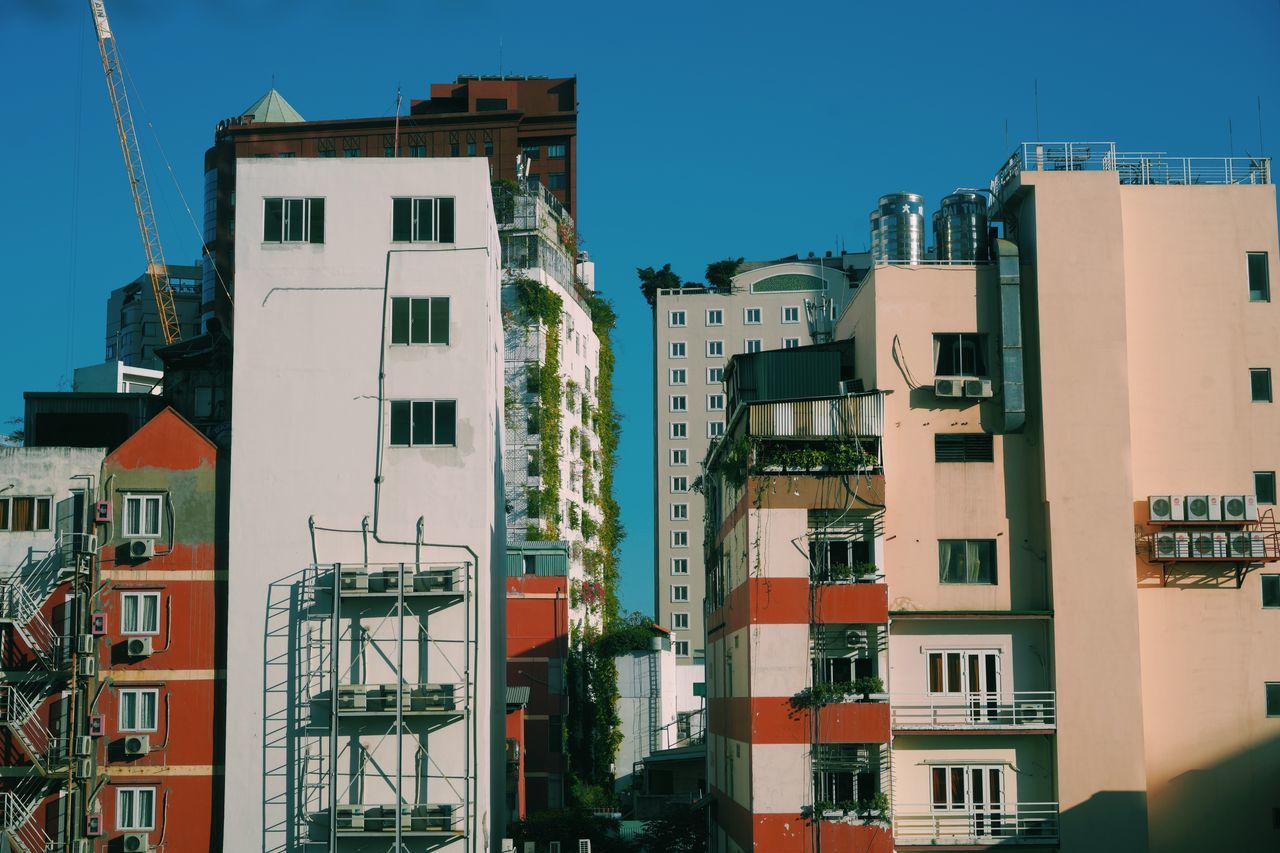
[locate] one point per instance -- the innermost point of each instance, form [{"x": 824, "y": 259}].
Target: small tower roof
[{"x": 272, "y": 107}]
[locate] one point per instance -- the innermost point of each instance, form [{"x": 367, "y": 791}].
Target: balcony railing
[
  {"x": 1133, "y": 167},
  {"x": 849, "y": 417},
  {"x": 1020, "y": 709},
  {"x": 1019, "y": 823}
]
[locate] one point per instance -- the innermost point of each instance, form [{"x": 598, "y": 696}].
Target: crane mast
[{"x": 157, "y": 272}]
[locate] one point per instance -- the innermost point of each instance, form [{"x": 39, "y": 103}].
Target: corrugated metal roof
[
  {"x": 517, "y": 696},
  {"x": 273, "y": 107}
]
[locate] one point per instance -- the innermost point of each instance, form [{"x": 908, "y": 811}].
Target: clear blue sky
[{"x": 706, "y": 130}]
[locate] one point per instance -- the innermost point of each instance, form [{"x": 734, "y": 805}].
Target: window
[
  {"x": 964, "y": 672},
  {"x": 140, "y": 613},
  {"x": 715, "y": 317},
  {"x": 22, "y": 515},
  {"x": 675, "y": 319},
  {"x": 136, "y": 808},
  {"x": 424, "y": 423},
  {"x": 454, "y": 149},
  {"x": 963, "y": 447},
  {"x": 715, "y": 375},
  {"x": 1260, "y": 384},
  {"x": 791, "y": 313},
  {"x": 677, "y": 349},
  {"x": 680, "y": 621},
  {"x": 959, "y": 355},
  {"x": 679, "y": 484},
  {"x": 1264, "y": 486},
  {"x": 531, "y": 152},
  {"x": 293, "y": 220},
  {"x": 679, "y": 429},
  {"x": 715, "y": 402},
  {"x": 329, "y": 152},
  {"x": 679, "y": 593},
  {"x": 350, "y": 152},
  {"x": 555, "y": 151},
  {"x": 715, "y": 349},
  {"x": 529, "y": 562},
  {"x": 679, "y": 403},
  {"x": 679, "y": 456},
  {"x": 1271, "y": 590},
  {"x": 751, "y": 316},
  {"x": 679, "y": 539},
  {"x": 1273, "y": 698},
  {"x": 967, "y": 560},
  {"x": 423, "y": 320},
  {"x": 971, "y": 788},
  {"x": 715, "y": 429},
  {"x": 422, "y": 220},
  {"x": 679, "y": 512},
  {"x": 555, "y": 733},
  {"x": 138, "y": 709},
  {"x": 790, "y": 343},
  {"x": 471, "y": 149},
  {"x": 389, "y": 151},
  {"x": 557, "y": 180},
  {"x": 417, "y": 151},
  {"x": 142, "y": 515},
  {"x": 682, "y": 649},
  {"x": 679, "y": 565},
  {"x": 678, "y": 376},
  {"x": 1259, "y": 278},
  {"x": 752, "y": 345}
]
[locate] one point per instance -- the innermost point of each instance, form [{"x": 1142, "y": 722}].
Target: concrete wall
[
  {"x": 43, "y": 472},
  {"x": 309, "y": 349}
]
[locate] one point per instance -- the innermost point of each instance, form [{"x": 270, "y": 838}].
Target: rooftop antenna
[{"x": 395, "y": 150}]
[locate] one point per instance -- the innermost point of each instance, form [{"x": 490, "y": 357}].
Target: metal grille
[{"x": 963, "y": 447}]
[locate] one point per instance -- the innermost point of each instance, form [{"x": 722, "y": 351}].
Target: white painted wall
[
  {"x": 309, "y": 344},
  {"x": 42, "y": 472}
]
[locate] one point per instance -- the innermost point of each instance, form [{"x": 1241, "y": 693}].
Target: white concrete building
[
  {"x": 656, "y": 705},
  {"x": 41, "y": 498},
  {"x": 118, "y": 378},
  {"x": 368, "y": 458}
]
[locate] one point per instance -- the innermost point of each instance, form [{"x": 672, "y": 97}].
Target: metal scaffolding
[{"x": 362, "y": 699}]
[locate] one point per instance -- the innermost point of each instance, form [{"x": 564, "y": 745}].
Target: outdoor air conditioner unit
[
  {"x": 93, "y": 825},
  {"x": 1220, "y": 543},
  {"x": 138, "y": 647},
  {"x": 87, "y": 667},
  {"x": 83, "y": 768},
  {"x": 1239, "y": 508},
  {"x": 1204, "y": 508},
  {"x": 977, "y": 387},
  {"x": 352, "y": 697},
  {"x": 86, "y": 644},
  {"x": 433, "y": 580},
  {"x": 1239, "y": 545},
  {"x": 855, "y": 639},
  {"x": 97, "y": 725},
  {"x": 98, "y": 624},
  {"x": 1202, "y": 544},
  {"x": 387, "y": 580},
  {"x": 948, "y": 387},
  {"x": 135, "y": 745},
  {"x": 354, "y": 580},
  {"x": 851, "y": 386},
  {"x": 84, "y": 745},
  {"x": 349, "y": 818},
  {"x": 1170, "y": 545},
  {"x": 1259, "y": 542},
  {"x": 141, "y": 549},
  {"x": 1166, "y": 507},
  {"x": 135, "y": 842},
  {"x": 82, "y": 845}
]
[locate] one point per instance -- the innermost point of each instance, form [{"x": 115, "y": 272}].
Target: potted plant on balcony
[
  {"x": 874, "y": 808},
  {"x": 864, "y": 572},
  {"x": 868, "y": 686}
]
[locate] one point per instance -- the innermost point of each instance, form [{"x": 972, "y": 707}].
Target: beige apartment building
[
  {"x": 771, "y": 305},
  {"x": 1018, "y": 587}
]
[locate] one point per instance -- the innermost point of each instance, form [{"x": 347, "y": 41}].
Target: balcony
[
  {"x": 1017, "y": 823},
  {"x": 1019, "y": 711},
  {"x": 365, "y": 820}
]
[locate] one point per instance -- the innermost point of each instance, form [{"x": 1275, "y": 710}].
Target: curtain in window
[
  {"x": 951, "y": 554},
  {"x": 153, "y": 516},
  {"x": 147, "y": 711},
  {"x": 4, "y": 514},
  {"x": 128, "y": 710},
  {"x": 23, "y": 513},
  {"x": 150, "y": 613},
  {"x": 126, "y": 806},
  {"x": 129, "y": 614},
  {"x": 133, "y": 512},
  {"x": 980, "y": 566}
]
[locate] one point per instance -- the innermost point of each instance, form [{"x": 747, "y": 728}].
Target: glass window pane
[
  {"x": 150, "y": 613},
  {"x": 935, "y": 672},
  {"x": 125, "y": 805},
  {"x": 43, "y": 506},
  {"x": 147, "y": 712},
  {"x": 1260, "y": 384},
  {"x": 4, "y": 514},
  {"x": 1273, "y": 699},
  {"x": 128, "y": 709},
  {"x": 440, "y": 320},
  {"x": 272, "y": 220},
  {"x": 399, "y": 320},
  {"x": 1264, "y": 486},
  {"x": 153, "y": 517},
  {"x": 1259, "y": 286},
  {"x": 422, "y": 422},
  {"x": 146, "y": 808},
  {"x": 315, "y": 213},
  {"x": 957, "y": 788},
  {"x": 128, "y": 613},
  {"x": 446, "y": 422},
  {"x": 401, "y": 220},
  {"x": 953, "y": 672},
  {"x": 400, "y": 423},
  {"x": 293, "y": 219},
  {"x": 1271, "y": 590},
  {"x": 133, "y": 517},
  {"x": 420, "y": 322},
  {"x": 424, "y": 213},
  {"x": 951, "y": 554},
  {"x": 939, "y": 778},
  {"x": 446, "y": 220}
]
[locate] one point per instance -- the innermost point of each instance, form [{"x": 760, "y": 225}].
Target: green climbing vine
[{"x": 537, "y": 303}]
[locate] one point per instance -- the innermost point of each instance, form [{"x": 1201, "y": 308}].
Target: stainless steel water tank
[
  {"x": 960, "y": 228},
  {"x": 897, "y": 229}
]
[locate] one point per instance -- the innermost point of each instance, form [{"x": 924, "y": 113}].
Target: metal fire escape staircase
[
  {"x": 20, "y": 717},
  {"x": 22, "y": 595},
  {"x": 656, "y": 727},
  {"x": 19, "y": 827}
]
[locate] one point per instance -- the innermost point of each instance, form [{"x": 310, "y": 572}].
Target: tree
[
  {"x": 679, "y": 829},
  {"x": 568, "y": 826},
  {"x": 651, "y": 281},
  {"x": 720, "y": 273}
]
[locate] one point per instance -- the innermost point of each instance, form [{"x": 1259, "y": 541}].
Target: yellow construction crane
[{"x": 156, "y": 269}]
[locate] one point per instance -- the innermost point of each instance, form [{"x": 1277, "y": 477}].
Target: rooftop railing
[
  {"x": 859, "y": 415},
  {"x": 1019, "y": 709},
  {"x": 1134, "y": 168},
  {"x": 1014, "y": 823}
]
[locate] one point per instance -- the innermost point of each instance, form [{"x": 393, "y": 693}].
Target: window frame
[
  {"x": 681, "y": 648},
  {"x": 676, "y": 563},
  {"x": 969, "y": 544},
  {"x": 414, "y": 222},
  {"x": 677, "y": 590},
  {"x": 715, "y": 429},
  {"x": 679, "y": 485},
  {"x": 138, "y": 693},
  {"x": 719, "y": 317},
  {"x": 676, "y": 319},
  {"x": 749, "y": 313},
  {"x": 718, "y": 347},
  {"x": 1275, "y": 598},
  {"x": 679, "y": 430},
  {"x": 790, "y": 343},
  {"x": 1265, "y": 374},
  {"x": 679, "y": 511},
  {"x": 982, "y": 366},
  {"x": 557, "y": 150},
  {"x": 1263, "y": 295},
  {"x": 793, "y": 308},
  {"x": 432, "y": 307},
  {"x": 715, "y": 402},
  {"x": 413, "y": 405},
  {"x": 748, "y": 343},
  {"x": 719, "y": 378},
  {"x": 143, "y": 498},
  {"x": 140, "y": 630},
  {"x": 37, "y": 501},
  {"x": 679, "y": 456},
  {"x": 1272, "y": 691},
  {"x": 677, "y": 402},
  {"x": 677, "y": 376},
  {"x": 134, "y": 814},
  {"x": 311, "y": 206},
  {"x": 676, "y": 617},
  {"x": 1267, "y": 475},
  {"x": 677, "y": 536},
  {"x": 678, "y": 349}
]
